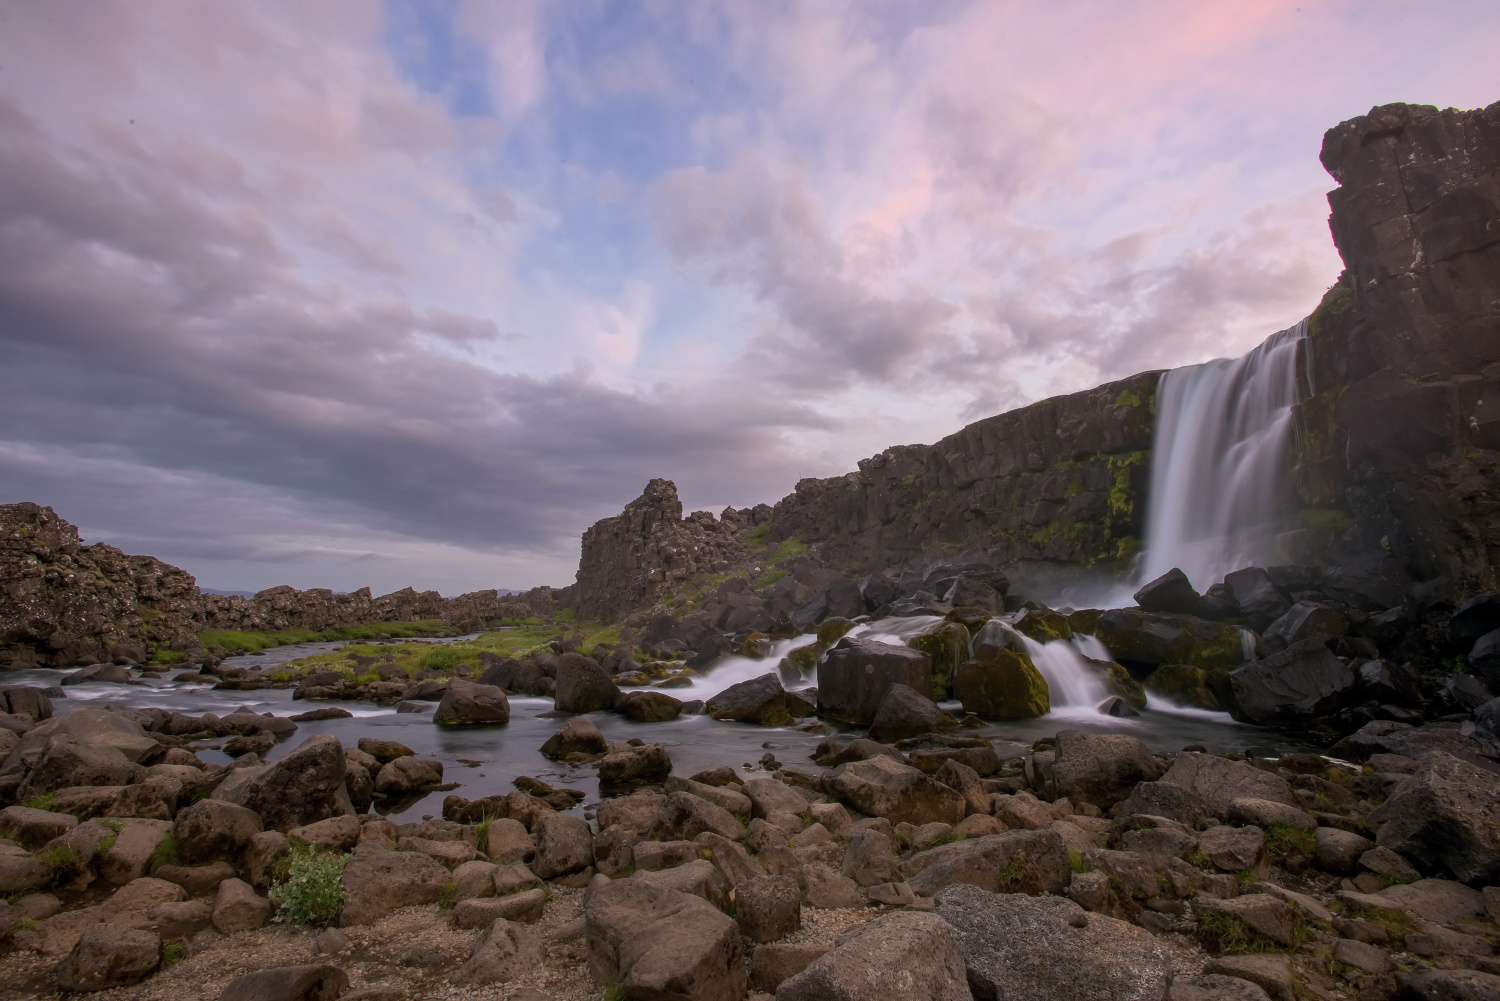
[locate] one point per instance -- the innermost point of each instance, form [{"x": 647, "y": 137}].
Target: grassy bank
[{"x": 237, "y": 641}]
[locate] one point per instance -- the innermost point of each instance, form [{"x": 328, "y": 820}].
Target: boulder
[
  {"x": 377, "y": 881},
  {"x": 1260, "y": 601},
  {"x": 407, "y": 775},
  {"x": 212, "y": 829},
  {"x": 1171, "y": 592},
  {"x": 1262, "y": 913},
  {"x": 384, "y": 751},
  {"x": 855, "y": 675},
  {"x": 139, "y": 800},
  {"x": 1003, "y": 684},
  {"x": 1271, "y": 973},
  {"x": 1142, "y": 637},
  {"x": 947, "y": 643},
  {"x": 684, "y": 816},
  {"x": 1263, "y": 812},
  {"x": 1164, "y": 799},
  {"x": 910, "y": 955},
  {"x": 774, "y": 962},
  {"x": 575, "y": 736},
  {"x": 582, "y": 685},
  {"x": 509, "y": 841},
  {"x": 514, "y": 878},
  {"x": 1288, "y": 687},
  {"x": 1025, "y": 948},
  {"x": 883, "y": 787},
  {"x": 768, "y": 907},
  {"x": 112, "y": 673},
  {"x": 636, "y": 812},
  {"x": 769, "y": 797},
  {"x": 729, "y": 797},
  {"x": 65, "y": 762},
  {"x": 1306, "y": 620},
  {"x": 564, "y": 845},
  {"x": 474, "y": 879},
  {"x": 1100, "y": 768},
  {"x": 630, "y": 765},
  {"x": 505, "y": 951},
  {"x": 1384, "y": 862},
  {"x": 1485, "y": 657},
  {"x": 310, "y": 982},
  {"x": 966, "y": 782},
  {"x": 1472, "y": 619},
  {"x": 1012, "y": 862},
  {"x": 237, "y": 907},
  {"x": 653, "y": 856},
  {"x": 1218, "y": 782},
  {"x": 1447, "y": 985},
  {"x": 468, "y": 703},
  {"x": 1232, "y": 848},
  {"x": 336, "y": 833},
  {"x": 649, "y": 707},
  {"x": 657, "y": 942},
  {"x": 614, "y": 849},
  {"x": 196, "y": 880},
  {"x": 699, "y": 877},
  {"x": 130, "y": 855},
  {"x": 1339, "y": 851},
  {"x": 824, "y": 888},
  {"x": 29, "y": 826},
  {"x": 1445, "y": 819},
  {"x": 305, "y": 786},
  {"x": 905, "y": 712},
  {"x": 760, "y": 700},
  {"x": 479, "y": 912},
  {"x": 109, "y": 955}
]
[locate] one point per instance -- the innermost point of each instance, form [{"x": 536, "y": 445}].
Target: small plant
[
  {"x": 1198, "y": 857},
  {"x": 482, "y": 835},
  {"x": 165, "y": 854},
  {"x": 1245, "y": 876},
  {"x": 1220, "y": 932},
  {"x": 1075, "y": 860},
  {"x": 43, "y": 801},
  {"x": 1288, "y": 839},
  {"x": 1397, "y": 923},
  {"x": 614, "y": 991},
  {"x": 312, "y": 894},
  {"x": 1015, "y": 869},
  {"x": 105, "y": 844},
  {"x": 450, "y": 890},
  {"x": 171, "y": 953}
]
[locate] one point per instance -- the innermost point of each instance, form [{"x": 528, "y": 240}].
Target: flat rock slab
[
  {"x": 1025, "y": 948},
  {"x": 908, "y": 955}
]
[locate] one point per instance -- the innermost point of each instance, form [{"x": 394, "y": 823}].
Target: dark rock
[
  {"x": 768, "y": 908},
  {"x": 564, "y": 845},
  {"x": 1214, "y": 782},
  {"x": 212, "y": 829},
  {"x": 1484, "y": 658},
  {"x": 1013, "y": 862},
  {"x": 323, "y": 712},
  {"x": 648, "y": 763},
  {"x": 1303, "y": 680},
  {"x": 1306, "y": 620},
  {"x": 312, "y": 982},
  {"x": 759, "y": 700},
  {"x": 384, "y": 751},
  {"x": 575, "y": 736},
  {"x": 1445, "y": 819},
  {"x": 506, "y": 951},
  {"x": 1384, "y": 681},
  {"x": 109, "y": 955},
  {"x": 1158, "y": 638},
  {"x": 1447, "y": 985},
  {"x": 1464, "y": 692},
  {"x": 583, "y": 686},
  {"x": 905, "y": 712},
  {"x": 407, "y": 775},
  {"x": 1116, "y": 706},
  {"x": 1472, "y": 619},
  {"x": 657, "y": 942},
  {"x": 882, "y": 787},
  {"x": 649, "y": 707},
  {"x": 465, "y": 702},
  {"x": 1101, "y": 769},
  {"x": 305, "y": 786},
  {"x": 378, "y": 880},
  {"x": 98, "y": 672},
  {"x": 1002, "y": 684},
  {"x": 855, "y": 675},
  {"x": 1259, "y": 600},
  {"x": 1171, "y": 592}
]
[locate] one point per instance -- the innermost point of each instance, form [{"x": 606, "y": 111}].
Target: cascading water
[
  {"x": 1071, "y": 683},
  {"x": 1221, "y": 437}
]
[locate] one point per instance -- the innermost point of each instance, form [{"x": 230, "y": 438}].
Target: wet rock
[
  {"x": 1444, "y": 818},
  {"x": 384, "y": 751},
  {"x": 212, "y": 829},
  {"x": 907, "y": 954},
  {"x": 649, "y": 707},
  {"x": 407, "y": 775},
  {"x": 654, "y": 941},
  {"x": 310, "y": 982},
  {"x": 1305, "y": 620},
  {"x": 583, "y": 686},
  {"x": 768, "y": 907},
  {"x": 855, "y": 675},
  {"x": 1002, "y": 684},
  {"x": 564, "y": 845},
  {"x": 630, "y": 765},
  {"x": 237, "y": 907},
  {"x": 1302, "y": 681},
  {"x": 905, "y": 712},
  {"x": 1472, "y": 619},
  {"x": 1160, "y": 638},
  {"x": 1171, "y": 592},
  {"x": 1101, "y": 769},
  {"x": 1044, "y": 948},
  {"x": 760, "y": 700},
  {"x": 883, "y": 787},
  {"x": 468, "y": 703},
  {"x": 506, "y": 951},
  {"x": 98, "y": 672},
  {"x": 378, "y": 881},
  {"x": 109, "y": 955},
  {"x": 1013, "y": 862},
  {"x": 575, "y": 736}
]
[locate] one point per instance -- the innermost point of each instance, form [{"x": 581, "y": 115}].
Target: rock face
[
  {"x": 1445, "y": 818},
  {"x": 657, "y": 942},
  {"x": 907, "y": 955},
  {"x": 305, "y": 786},
  {"x": 854, "y": 677}
]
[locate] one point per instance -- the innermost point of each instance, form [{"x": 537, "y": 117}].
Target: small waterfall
[
  {"x": 1071, "y": 682},
  {"x": 1216, "y": 478}
]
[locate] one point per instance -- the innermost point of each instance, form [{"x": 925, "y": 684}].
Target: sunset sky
[{"x": 336, "y": 294}]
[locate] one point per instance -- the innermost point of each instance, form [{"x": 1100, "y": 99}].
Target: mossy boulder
[
  {"x": 1005, "y": 684},
  {"x": 1044, "y": 625},
  {"x": 831, "y": 630},
  {"x": 1118, "y": 681},
  {"x": 1183, "y": 685},
  {"x": 1085, "y": 620},
  {"x": 805, "y": 658},
  {"x": 970, "y": 617},
  {"x": 947, "y": 643},
  {"x": 1157, "y": 638}
]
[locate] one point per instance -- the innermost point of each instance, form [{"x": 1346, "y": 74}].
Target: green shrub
[
  {"x": 171, "y": 953},
  {"x": 313, "y": 892}
]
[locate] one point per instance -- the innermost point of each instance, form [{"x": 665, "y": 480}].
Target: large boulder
[
  {"x": 582, "y": 685},
  {"x": 768, "y": 908},
  {"x": 908, "y": 955},
  {"x": 1260, "y": 600},
  {"x": 906, "y": 712},
  {"x": 759, "y": 700},
  {"x": 1445, "y": 819},
  {"x": 855, "y": 675},
  {"x": 1012, "y": 862},
  {"x": 1302, "y": 681},
  {"x": 378, "y": 880},
  {"x": 630, "y": 765},
  {"x": 465, "y": 702},
  {"x": 1100, "y": 768},
  {"x": 309, "y": 982},
  {"x": 66, "y": 762},
  {"x": 1422, "y": 984},
  {"x": 1471, "y": 619},
  {"x": 1217, "y": 782},
  {"x": 109, "y": 955},
  {"x": 658, "y": 943},
  {"x": 883, "y": 787},
  {"x": 29, "y": 826},
  {"x": 505, "y": 951},
  {"x": 947, "y": 643},
  {"x": 212, "y": 829},
  {"x": 1306, "y": 620},
  {"x": 407, "y": 775},
  {"x": 684, "y": 816},
  {"x": 649, "y": 707},
  {"x": 575, "y": 736},
  {"x": 564, "y": 845},
  {"x": 1025, "y": 948},
  {"x": 1158, "y": 638},
  {"x": 305, "y": 786},
  {"x": 1002, "y": 683},
  {"x": 1171, "y": 592},
  {"x": 1485, "y": 657}
]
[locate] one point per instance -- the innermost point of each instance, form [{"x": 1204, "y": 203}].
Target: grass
[
  {"x": 171, "y": 953},
  {"x": 613, "y": 991},
  {"x": 1198, "y": 857},
  {"x": 41, "y": 802},
  {"x": 450, "y": 890},
  {"x": 482, "y": 835},
  {"x": 1288, "y": 839},
  {"x": 1397, "y": 923},
  {"x": 1075, "y": 860},
  {"x": 165, "y": 854},
  {"x": 254, "y": 641}
]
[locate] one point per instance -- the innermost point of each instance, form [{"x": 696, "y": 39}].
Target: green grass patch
[
  {"x": 172, "y": 953},
  {"x": 1288, "y": 839},
  {"x": 1075, "y": 860},
  {"x": 165, "y": 854},
  {"x": 43, "y": 801},
  {"x": 312, "y": 894},
  {"x": 161, "y": 655},
  {"x": 613, "y": 991},
  {"x": 236, "y": 641},
  {"x": 758, "y": 536},
  {"x": 450, "y": 890},
  {"x": 1220, "y": 933}
]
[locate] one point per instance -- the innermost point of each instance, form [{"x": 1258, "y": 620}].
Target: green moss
[
  {"x": 1126, "y": 399},
  {"x": 1331, "y": 519},
  {"x": 1184, "y": 685},
  {"x": 162, "y": 655},
  {"x": 172, "y": 953},
  {"x": 757, "y": 537},
  {"x": 43, "y": 801},
  {"x": 1043, "y": 535},
  {"x": 1287, "y": 839},
  {"x": 165, "y": 854},
  {"x": 1075, "y": 860},
  {"x": 1075, "y": 489}
]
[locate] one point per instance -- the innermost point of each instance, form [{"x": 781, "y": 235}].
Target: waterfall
[
  {"x": 1217, "y": 461},
  {"x": 1071, "y": 683}
]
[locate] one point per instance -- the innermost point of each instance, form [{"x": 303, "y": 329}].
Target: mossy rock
[
  {"x": 756, "y": 645},
  {"x": 1085, "y": 620},
  {"x": 806, "y": 657},
  {"x": 1183, "y": 685},
  {"x": 970, "y": 617},
  {"x": 947, "y": 643},
  {"x": 830, "y": 631},
  {"x": 1044, "y": 625},
  {"x": 1119, "y": 682},
  {"x": 1005, "y": 685},
  {"x": 1138, "y": 637}
]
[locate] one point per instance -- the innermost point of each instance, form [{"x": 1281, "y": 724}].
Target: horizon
[{"x": 411, "y": 294}]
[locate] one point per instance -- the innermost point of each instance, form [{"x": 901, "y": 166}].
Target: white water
[
  {"x": 1072, "y": 684},
  {"x": 1221, "y": 438}
]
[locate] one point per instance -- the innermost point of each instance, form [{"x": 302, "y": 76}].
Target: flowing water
[{"x": 1217, "y": 461}]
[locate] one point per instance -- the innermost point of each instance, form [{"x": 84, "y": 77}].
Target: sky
[{"x": 411, "y": 293}]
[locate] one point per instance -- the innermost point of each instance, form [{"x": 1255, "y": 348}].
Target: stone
[
  {"x": 196, "y": 880},
  {"x": 1303, "y": 681},
  {"x": 480, "y": 912},
  {"x": 1485, "y": 657},
  {"x": 684, "y": 816},
  {"x": 304, "y": 786},
  {"x": 1444, "y": 818},
  {"x": 728, "y": 797},
  {"x": 890, "y": 894},
  {"x": 109, "y": 955},
  {"x": 1366, "y": 958},
  {"x": 1301, "y": 901},
  {"x": 34, "y": 827},
  {"x": 1171, "y": 592},
  {"x": 1339, "y": 851},
  {"x": 1159, "y": 843},
  {"x": 309, "y": 982},
  {"x": 856, "y": 674},
  {"x": 1232, "y": 848},
  {"x": 657, "y": 942},
  {"x": 1163, "y": 799},
  {"x": 1022, "y": 811},
  {"x": 1100, "y": 768},
  {"x": 1090, "y": 890},
  {"x": 237, "y": 907},
  {"x": 731, "y": 859},
  {"x": 1218, "y": 782},
  {"x": 1271, "y": 973},
  {"x": 759, "y": 700},
  {"x": 768, "y": 908},
  {"x": 636, "y": 812},
  {"x": 467, "y": 703},
  {"x": 449, "y": 854},
  {"x": 649, "y": 707},
  {"x": 1305, "y": 620},
  {"x": 563, "y": 845},
  {"x": 65, "y": 762},
  {"x": 774, "y": 962},
  {"x": 1002, "y": 685},
  {"x": 1384, "y": 862},
  {"x": 377, "y": 881},
  {"x": 1447, "y": 985},
  {"x": 179, "y": 918},
  {"x": 772, "y": 796},
  {"x": 1472, "y": 619},
  {"x": 406, "y": 775},
  {"x": 886, "y": 788},
  {"x": 1264, "y": 812},
  {"x": 1215, "y": 987},
  {"x": 978, "y": 825},
  {"x": 822, "y": 887},
  {"x": 506, "y": 951},
  {"x": 905, "y": 712},
  {"x": 1028, "y": 948},
  {"x": 629, "y": 765},
  {"x": 384, "y": 751},
  {"x": 509, "y": 842},
  {"x": 1262, "y": 913},
  {"x": 212, "y": 829},
  {"x": 583, "y": 686},
  {"x": 514, "y": 878},
  {"x": 136, "y": 800},
  {"x": 614, "y": 849},
  {"x": 653, "y": 856},
  {"x": 98, "y": 672},
  {"x": 1441, "y": 901},
  {"x": 130, "y": 855},
  {"x": 261, "y": 856},
  {"x": 474, "y": 879},
  {"x": 965, "y": 781},
  {"x": 1013, "y": 862},
  {"x": 699, "y": 877},
  {"x": 335, "y": 833},
  {"x": 908, "y": 955}
]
